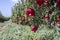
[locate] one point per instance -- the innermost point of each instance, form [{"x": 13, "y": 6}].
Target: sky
[{"x": 6, "y": 7}]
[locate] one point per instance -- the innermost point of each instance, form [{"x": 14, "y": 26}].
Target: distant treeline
[{"x": 2, "y": 18}]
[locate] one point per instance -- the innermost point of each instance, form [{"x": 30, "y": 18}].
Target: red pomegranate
[
  {"x": 39, "y": 2},
  {"x": 47, "y": 3},
  {"x": 58, "y": 1},
  {"x": 34, "y": 28},
  {"x": 45, "y": 16},
  {"x": 58, "y": 19},
  {"x": 30, "y": 12}
]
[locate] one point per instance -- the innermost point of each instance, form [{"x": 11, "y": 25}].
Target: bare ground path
[{"x": 2, "y": 26}]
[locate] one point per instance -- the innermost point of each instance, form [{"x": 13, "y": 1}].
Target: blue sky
[{"x": 6, "y": 6}]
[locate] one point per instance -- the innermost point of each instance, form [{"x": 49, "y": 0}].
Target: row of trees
[{"x": 2, "y": 18}]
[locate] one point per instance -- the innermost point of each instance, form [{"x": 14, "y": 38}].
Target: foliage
[
  {"x": 2, "y": 18},
  {"x": 50, "y": 8}
]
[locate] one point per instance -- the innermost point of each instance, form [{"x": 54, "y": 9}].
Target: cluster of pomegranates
[
  {"x": 31, "y": 12},
  {"x": 20, "y": 20}
]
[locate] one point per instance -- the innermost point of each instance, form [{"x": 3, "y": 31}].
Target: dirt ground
[{"x": 2, "y": 26}]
